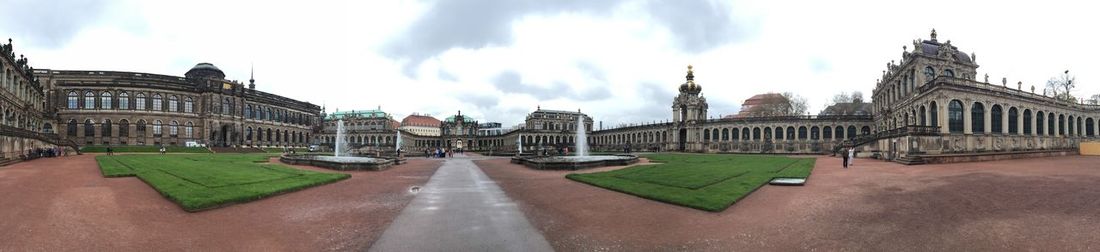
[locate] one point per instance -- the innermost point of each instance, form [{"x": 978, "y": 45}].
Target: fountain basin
[
  {"x": 341, "y": 163},
  {"x": 574, "y": 162}
]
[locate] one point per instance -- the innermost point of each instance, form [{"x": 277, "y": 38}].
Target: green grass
[
  {"x": 205, "y": 181},
  {"x": 706, "y": 182},
  {"x": 143, "y": 149}
]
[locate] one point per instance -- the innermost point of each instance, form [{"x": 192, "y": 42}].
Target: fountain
[
  {"x": 580, "y": 160},
  {"x": 340, "y": 160}
]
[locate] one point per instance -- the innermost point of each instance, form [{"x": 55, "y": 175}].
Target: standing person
[
  {"x": 162, "y": 151},
  {"x": 110, "y": 151},
  {"x": 845, "y": 158},
  {"x": 851, "y": 156}
]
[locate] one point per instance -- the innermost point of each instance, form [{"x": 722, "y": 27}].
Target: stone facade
[
  {"x": 25, "y": 123},
  {"x": 127, "y": 108}
]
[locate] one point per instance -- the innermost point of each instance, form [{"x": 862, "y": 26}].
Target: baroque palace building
[
  {"x": 201, "y": 107},
  {"x": 928, "y": 107},
  {"x": 25, "y": 121}
]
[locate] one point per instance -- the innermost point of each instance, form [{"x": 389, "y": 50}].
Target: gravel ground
[
  {"x": 1050, "y": 204},
  {"x": 64, "y": 204}
]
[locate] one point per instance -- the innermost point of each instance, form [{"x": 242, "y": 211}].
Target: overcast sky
[{"x": 497, "y": 60}]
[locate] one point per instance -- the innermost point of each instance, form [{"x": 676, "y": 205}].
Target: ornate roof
[
  {"x": 205, "y": 70},
  {"x": 689, "y": 86}
]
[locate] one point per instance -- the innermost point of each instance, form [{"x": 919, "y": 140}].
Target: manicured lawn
[
  {"x": 204, "y": 181},
  {"x": 143, "y": 149},
  {"x": 280, "y": 150},
  {"x": 707, "y": 182}
]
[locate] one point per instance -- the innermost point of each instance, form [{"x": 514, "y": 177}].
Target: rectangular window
[
  {"x": 140, "y": 103},
  {"x": 123, "y": 103},
  {"x": 73, "y": 102},
  {"x": 105, "y": 102},
  {"x": 157, "y": 105},
  {"x": 173, "y": 106}
]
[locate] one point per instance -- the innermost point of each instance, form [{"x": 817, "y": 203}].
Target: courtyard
[{"x": 1049, "y": 203}]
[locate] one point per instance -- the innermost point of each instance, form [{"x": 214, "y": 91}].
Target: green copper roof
[
  {"x": 373, "y": 113},
  {"x": 464, "y": 119}
]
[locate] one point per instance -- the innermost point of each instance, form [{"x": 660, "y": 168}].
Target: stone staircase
[
  {"x": 236, "y": 150},
  {"x": 910, "y": 160}
]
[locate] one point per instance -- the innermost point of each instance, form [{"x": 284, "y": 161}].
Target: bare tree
[
  {"x": 844, "y": 97},
  {"x": 857, "y": 97},
  {"x": 798, "y": 104},
  {"x": 1061, "y": 87},
  {"x": 1095, "y": 99}
]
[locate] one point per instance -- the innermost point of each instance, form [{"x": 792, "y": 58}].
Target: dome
[
  {"x": 690, "y": 86},
  {"x": 205, "y": 70}
]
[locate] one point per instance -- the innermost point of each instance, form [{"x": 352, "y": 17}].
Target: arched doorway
[{"x": 223, "y": 138}]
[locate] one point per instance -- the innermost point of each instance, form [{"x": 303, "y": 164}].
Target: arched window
[
  {"x": 248, "y": 134},
  {"x": 1040, "y": 123},
  {"x": 188, "y": 105},
  {"x": 189, "y": 130},
  {"x": 1027, "y": 122},
  {"x": 89, "y": 128},
  {"x": 123, "y": 101},
  {"x": 140, "y": 127},
  {"x": 173, "y": 103},
  {"x": 977, "y": 118},
  {"x": 139, "y": 102},
  {"x": 105, "y": 128},
  {"x": 73, "y": 100},
  {"x": 1050, "y": 124},
  {"x": 815, "y": 133},
  {"x": 827, "y": 132},
  {"x": 71, "y": 128},
  {"x": 105, "y": 100},
  {"x": 156, "y": 128},
  {"x": 949, "y": 73},
  {"x": 123, "y": 128},
  {"x": 802, "y": 133},
  {"x": 929, "y": 73},
  {"x": 933, "y": 114},
  {"x": 89, "y": 100},
  {"x": 1061, "y": 124},
  {"x": 839, "y": 132},
  {"x": 706, "y": 135},
  {"x": 995, "y": 119},
  {"x": 157, "y": 103},
  {"x": 768, "y": 133},
  {"x": 1013, "y": 121},
  {"x": 1090, "y": 127},
  {"x": 866, "y": 130},
  {"x": 725, "y": 134},
  {"x": 851, "y": 132},
  {"x": 755, "y": 133},
  {"x": 248, "y": 111},
  {"x": 955, "y": 116},
  {"x": 173, "y": 129},
  {"x": 736, "y": 133}
]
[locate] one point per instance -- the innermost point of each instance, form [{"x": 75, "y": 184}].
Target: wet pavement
[{"x": 461, "y": 209}]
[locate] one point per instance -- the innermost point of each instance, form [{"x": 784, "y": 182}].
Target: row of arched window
[
  {"x": 275, "y": 136},
  {"x": 267, "y": 113},
  {"x": 108, "y": 100},
  {"x": 1013, "y": 121},
  {"x": 633, "y": 138},
  {"x": 366, "y": 140},
  {"x": 106, "y": 128},
  {"x": 783, "y": 133}
]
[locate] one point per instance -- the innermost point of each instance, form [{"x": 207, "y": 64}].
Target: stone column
[{"x": 967, "y": 120}]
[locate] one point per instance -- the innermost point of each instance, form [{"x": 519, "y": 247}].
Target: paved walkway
[{"x": 461, "y": 209}]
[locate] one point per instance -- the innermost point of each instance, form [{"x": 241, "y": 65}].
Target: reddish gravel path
[
  {"x": 1050, "y": 204},
  {"x": 64, "y": 204}
]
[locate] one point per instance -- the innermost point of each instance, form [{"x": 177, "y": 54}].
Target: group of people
[
  {"x": 44, "y": 152},
  {"x": 848, "y": 157},
  {"x": 439, "y": 153}
]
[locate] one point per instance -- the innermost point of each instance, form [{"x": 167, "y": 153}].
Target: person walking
[{"x": 851, "y": 156}]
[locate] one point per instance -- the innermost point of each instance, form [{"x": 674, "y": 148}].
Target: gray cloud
[
  {"x": 49, "y": 23},
  {"x": 698, "y": 25},
  {"x": 482, "y": 101},
  {"x": 511, "y": 82}
]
